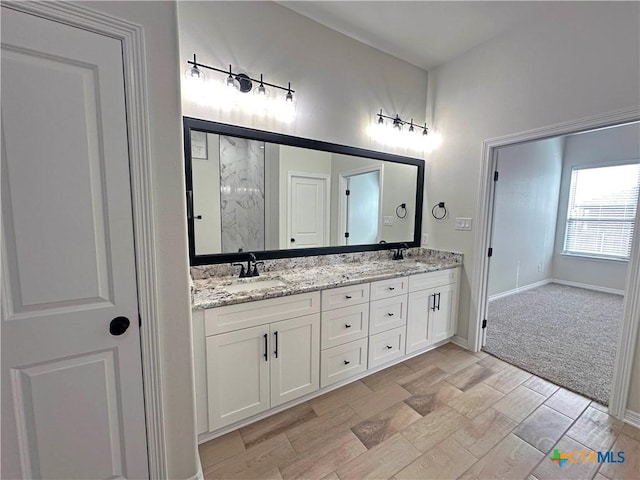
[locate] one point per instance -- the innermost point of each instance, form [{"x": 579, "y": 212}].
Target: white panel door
[
  {"x": 72, "y": 404},
  {"x": 295, "y": 361},
  {"x": 308, "y": 211},
  {"x": 237, "y": 375}
]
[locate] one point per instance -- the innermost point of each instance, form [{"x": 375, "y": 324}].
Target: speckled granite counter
[{"x": 308, "y": 274}]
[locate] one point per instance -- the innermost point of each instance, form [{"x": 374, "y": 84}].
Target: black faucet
[
  {"x": 397, "y": 255},
  {"x": 249, "y": 271}
]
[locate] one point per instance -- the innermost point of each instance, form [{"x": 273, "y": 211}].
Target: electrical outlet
[
  {"x": 541, "y": 268},
  {"x": 388, "y": 221},
  {"x": 425, "y": 239},
  {"x": 463, "y": 224}
]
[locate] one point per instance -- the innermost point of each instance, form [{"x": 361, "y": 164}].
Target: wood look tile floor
[{"x": 445, "y": 414}]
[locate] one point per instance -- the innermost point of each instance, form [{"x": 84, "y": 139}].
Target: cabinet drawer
[
  {"x": 344, "y": 325},
  {"x": 386, "y": 346},
  {"x": 342, "y": 362},
  {"x": 389, "y": 288},
  {"x": 251, "y": 314},
  {"x": 422, "y": 281},
  {"x": 387, "y": 313},
  {"x": 345, "y": 296}
]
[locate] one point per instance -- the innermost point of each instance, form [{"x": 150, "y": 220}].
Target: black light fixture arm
[
  {"x": 197, "y": 64},
  {"x": 398, "y": 121}
]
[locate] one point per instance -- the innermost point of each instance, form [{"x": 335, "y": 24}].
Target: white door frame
[
  {"x": 327, "y": 202},
  {"x": 342, "y": 204},
  {"x": 135, "y": 81},
  {"x": 479, "y": 282}
]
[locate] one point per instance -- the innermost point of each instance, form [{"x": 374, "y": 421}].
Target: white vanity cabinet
[
  {"x": 251, "y": 357},
  {"x": 432, "y": 311},
  {"x": 252, "y": 369}
]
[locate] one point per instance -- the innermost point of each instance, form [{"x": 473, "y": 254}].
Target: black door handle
[
  {"x": 266, "y": 358},
  {"x": 347, "y": 362},
  {"x": 276, "y": 351},
  {"x": 118, "y": 326},
  {"x": 292, "y": 240}
]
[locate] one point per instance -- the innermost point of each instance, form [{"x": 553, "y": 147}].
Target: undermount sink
[{"x": 257, "y": 284}]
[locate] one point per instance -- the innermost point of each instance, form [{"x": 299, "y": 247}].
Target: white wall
[
  {"x": 565, "y": 67},
  {"x": 621, "y": 144},
  {"x": 340, "y": 83},
  {"x": 525, "y": 209},
  {"x": 165, "y": 130}
]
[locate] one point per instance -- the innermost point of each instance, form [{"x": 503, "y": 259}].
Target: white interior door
[
  {"x": 308, "y": 223},
  {"x": 363, "y": 208},
  {"x": 72, "y": 403}
]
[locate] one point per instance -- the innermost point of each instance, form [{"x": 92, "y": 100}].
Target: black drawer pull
[
  {"x": 348, "y": 297},
  {"x": 392, "y": 288},
  {"x": 347, "y": 362},
  {"x": 265, "y": 348},
  {"x": 389, "y": 347},
  {"x": 390, "y": 314},
  {"x": 346, "y": 325}
]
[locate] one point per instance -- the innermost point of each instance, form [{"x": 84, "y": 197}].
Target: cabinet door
[
  {"x": 237, "y": 375},
  {"x": 419, "y": 320},
  {"x": 443, "y": 324},
  {"x": 295, "y": 358}
]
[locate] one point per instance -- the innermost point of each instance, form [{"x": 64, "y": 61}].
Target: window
[{"x": 602, "y": 210}]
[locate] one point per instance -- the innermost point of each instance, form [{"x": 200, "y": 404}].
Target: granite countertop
[{"x": 210, "y": 292}]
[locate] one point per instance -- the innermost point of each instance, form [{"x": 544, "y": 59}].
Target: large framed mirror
[{"x": 281, "y": 196}]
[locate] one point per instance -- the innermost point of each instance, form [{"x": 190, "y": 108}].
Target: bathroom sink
[{"x": 253, "y": 284}]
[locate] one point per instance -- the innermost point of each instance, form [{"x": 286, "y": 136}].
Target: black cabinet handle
[
  {"x": 390, "y": 314},
  {"x": 389, "y": 347},
  {"x": 348, "y": 297},
  {"x": 347, "y": 362},
  {"x": 276, "y": 351},
  {"x": 346, "y": 325},
  {"x": 292, "y": 240},
  {"x": 266, "y": 358},
  {"x": 438, "y": 300},
  {"x": 433, "y": 307},
  {"x": 392, "y": 288}
]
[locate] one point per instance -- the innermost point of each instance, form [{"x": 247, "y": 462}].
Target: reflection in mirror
[{"x": 252, "y": 195}]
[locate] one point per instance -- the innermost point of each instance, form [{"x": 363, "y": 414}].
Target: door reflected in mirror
[{"x": 251, "y": 195}]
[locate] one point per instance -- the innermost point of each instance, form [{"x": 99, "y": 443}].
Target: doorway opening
[
  {"x": 360, "y": 205},
  {"x": 626, "y": 340},
  {"x": 563, "y": 216}
]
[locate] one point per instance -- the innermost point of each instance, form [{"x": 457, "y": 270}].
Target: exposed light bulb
[
  {"x": 289, "y": 96},
  {"x": 194, "y": 73},
  {"x": 261, "y": 89},
  {"x": 411, "y": 126},
  {"x": 397, "y": 123}
]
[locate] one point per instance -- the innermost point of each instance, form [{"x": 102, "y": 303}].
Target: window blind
[{"x": 602, "y": 210}]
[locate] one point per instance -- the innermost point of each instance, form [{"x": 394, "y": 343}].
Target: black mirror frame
[{"x": 249, "y": 133}]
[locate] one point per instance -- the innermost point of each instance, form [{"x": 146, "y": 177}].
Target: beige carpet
[{"x": 564, "y": 334}]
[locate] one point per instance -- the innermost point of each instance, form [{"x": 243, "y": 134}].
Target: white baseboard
[
  {"x": 521, "y": 289},
  {"x": 586, "y": 286},
  {"x": 632, "y": 418},
  {"x": 461, "y": 342}
]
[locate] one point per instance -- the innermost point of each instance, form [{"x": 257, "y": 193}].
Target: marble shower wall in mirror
[{"x": 242, "y": 194}]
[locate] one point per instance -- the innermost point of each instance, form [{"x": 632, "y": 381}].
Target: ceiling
[{"x": 424, "y": 33}]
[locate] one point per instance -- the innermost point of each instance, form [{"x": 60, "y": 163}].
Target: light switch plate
[
  {"x": 388, "y": 221},
  {"x": 425, "y": 239},
  {"x": 463, "y": 223}
]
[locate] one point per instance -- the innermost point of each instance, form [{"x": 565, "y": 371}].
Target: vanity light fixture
[
  {"x": 240, "y": 81},
  {"x": 391, "y": 131}
]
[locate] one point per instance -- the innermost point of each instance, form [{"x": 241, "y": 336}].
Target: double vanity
[{"x": 309, "y": 325}]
